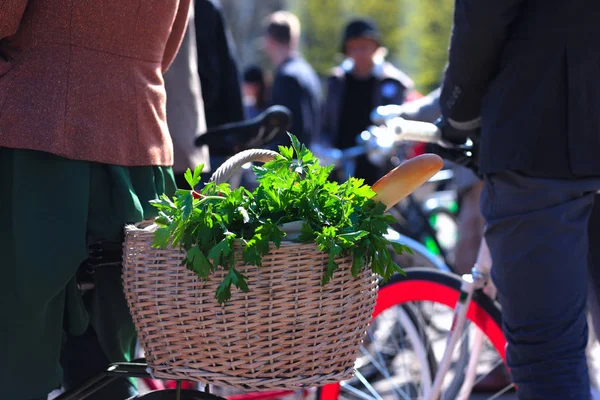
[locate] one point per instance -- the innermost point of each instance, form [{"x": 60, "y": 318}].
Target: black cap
[{"x": 360, "y": 28}]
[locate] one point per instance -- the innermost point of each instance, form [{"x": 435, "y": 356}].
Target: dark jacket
[
  {"x": 529, "y": 69},
  {"x": 219, "y": 76},
  {"x": 391, "y": 87},
  {"x": 297, "y": 87}
]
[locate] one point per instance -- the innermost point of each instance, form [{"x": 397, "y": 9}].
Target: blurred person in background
[
  {"x": 295, "y": 84},
  {"x": 361, "y": 83},
  {"x": 84, "y": 146},
  {"x": 217, "y": 69},
  {"x": 254, "y": 89},
  {"x": 185, "y": 109},
  {"x": 217, "y": 66}
]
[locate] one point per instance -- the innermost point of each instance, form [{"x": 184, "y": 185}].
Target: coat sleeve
[
  {"x": 177, "y": 32},
  {"x": 217, "y": 66},
  {"x": 425, "y": 109},
  {"x": 480, "y": 30},
  {"x": 208, "y": 60},
  {"x": 10, "y": 16}
]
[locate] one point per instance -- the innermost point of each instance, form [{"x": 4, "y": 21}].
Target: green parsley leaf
[
  {"x": 161, "y": 238},
  {"x": 198, "y": 262},
  {"x": 193, "y": 179},
  {"x": 342, "y": 219}
]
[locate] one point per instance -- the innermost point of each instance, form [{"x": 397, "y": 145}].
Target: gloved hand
[
  {"x": 459, "y": 154},
  {"x": 455, "y": 135}
]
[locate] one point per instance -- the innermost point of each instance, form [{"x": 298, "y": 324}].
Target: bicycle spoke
[
  {"x": 386, "y": 374},
  {"x": 500, "y": 393},
  {"x": 405, "y": 356},
  {"x": 355, "y": 391},
  {"x": 388, "y": 353},
  {"x": 369, "y": 387}
]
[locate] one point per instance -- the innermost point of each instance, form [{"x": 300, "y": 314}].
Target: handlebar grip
[{"x": 414, "y": 130}]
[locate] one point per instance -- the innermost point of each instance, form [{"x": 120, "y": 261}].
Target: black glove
[
  {"x": 459, "y": 154},
  {"x": 457, "y": 136}
]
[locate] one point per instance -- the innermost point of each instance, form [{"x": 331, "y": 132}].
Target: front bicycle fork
[{"x": 478, "y": 279}]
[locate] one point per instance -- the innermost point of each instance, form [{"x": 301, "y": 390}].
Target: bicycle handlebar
[
  {"x": 231, "y": 138},
  {"x": 383, "y": 113},
  {"x": 379, "y": 142}
]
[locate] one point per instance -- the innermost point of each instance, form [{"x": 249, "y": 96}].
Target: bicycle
[
  {"x": 107, "y": 254},
  {"x": 474, "y": 313}
]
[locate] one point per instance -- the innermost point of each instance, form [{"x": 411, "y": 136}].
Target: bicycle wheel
[
  {"x": 394, "y": 358},
  {"x": 428, "y": 289}
]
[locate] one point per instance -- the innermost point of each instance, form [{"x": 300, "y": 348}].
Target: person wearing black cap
[
  {"x": 362, "y": 82},
  {"x": 295, "y": 84}
]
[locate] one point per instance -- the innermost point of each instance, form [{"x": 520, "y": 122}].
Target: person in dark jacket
[
  {"x": 295, "y": 84},
  {"x": 217, "y": 67},
  {"x": 361, "y": 83},
  {"x": 523, "y": 73},
  {"x": 218, "y": 71}
]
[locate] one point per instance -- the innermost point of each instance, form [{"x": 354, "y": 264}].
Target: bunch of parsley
[{"x": 341, "y": 218}]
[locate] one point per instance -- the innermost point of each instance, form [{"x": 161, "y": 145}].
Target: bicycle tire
[{"x": 426, "y": 284}]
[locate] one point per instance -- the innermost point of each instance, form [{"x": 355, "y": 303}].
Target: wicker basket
[{"x": 287, "y": 332}]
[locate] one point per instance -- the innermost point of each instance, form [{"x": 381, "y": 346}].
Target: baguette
[{"x": 406, "y": 178}]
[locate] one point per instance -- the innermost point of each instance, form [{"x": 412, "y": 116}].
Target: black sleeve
[
  {"x": 217, "y": 67},
  {"x": 286, "y": 92},
  {"x": 480, "y": 30},
  {"x": 208, "y": 61},
  {"x": 426, "y": 109}
]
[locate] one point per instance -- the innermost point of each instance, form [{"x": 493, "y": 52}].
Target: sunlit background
[{"x": 415, "y": 32}]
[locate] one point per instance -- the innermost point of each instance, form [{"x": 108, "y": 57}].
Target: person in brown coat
[{"x": 84, "y": 145}]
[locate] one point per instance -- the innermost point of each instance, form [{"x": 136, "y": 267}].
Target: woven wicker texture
[{"x": 288, "y": 331}]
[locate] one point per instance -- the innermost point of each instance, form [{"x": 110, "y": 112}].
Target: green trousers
[{"x": 49, "y": 207}]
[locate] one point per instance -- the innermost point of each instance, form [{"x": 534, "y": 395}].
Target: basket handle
[{"x": 229, "y": 167}]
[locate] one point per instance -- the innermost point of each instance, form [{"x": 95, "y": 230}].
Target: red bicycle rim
[{"x": 425, "y": 290}]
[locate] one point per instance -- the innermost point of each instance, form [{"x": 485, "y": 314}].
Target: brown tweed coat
[{"x": 82, "y": 79}]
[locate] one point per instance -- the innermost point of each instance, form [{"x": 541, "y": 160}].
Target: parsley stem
[{"x": 205, "y": 198}]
